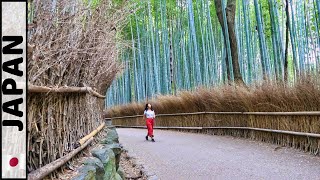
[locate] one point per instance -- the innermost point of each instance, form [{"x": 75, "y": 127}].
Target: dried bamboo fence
[
  {"x": 295, "y": 129},
  {"x": 47, "y": 169},
  {"x": 72, "y": 60},
  {"x": 270, "y": 113},
  {"x": 57, "y": 121}
]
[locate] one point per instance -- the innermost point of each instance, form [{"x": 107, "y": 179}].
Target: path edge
[{"x": 146, "y": 171}]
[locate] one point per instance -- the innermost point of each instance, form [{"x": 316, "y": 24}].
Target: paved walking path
[{"x": 184, "y": 156}]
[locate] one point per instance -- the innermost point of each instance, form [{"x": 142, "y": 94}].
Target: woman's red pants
[{"x": 150, "y": 123}]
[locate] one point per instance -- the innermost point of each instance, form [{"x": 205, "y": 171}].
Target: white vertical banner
[{"x": 13, "y": 89}]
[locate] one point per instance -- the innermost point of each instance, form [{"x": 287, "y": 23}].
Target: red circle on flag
[{"x": 13, "y": 162}]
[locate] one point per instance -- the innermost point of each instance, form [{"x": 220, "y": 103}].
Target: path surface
[{"x": 183, "y": 156}]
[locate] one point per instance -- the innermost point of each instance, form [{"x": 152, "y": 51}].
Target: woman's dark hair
[{"x": 147, "y": 107}]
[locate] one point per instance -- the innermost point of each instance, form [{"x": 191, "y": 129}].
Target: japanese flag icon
[{"x": 13, "y": 163}]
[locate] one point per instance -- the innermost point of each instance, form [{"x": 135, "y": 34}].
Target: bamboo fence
[
  {"x": 294, "y": 129},
  {"x": 41, "y": 89},
  {"x": 57, "y": 122},
  {"x": 47, "y": 169},
  {"x": 275, "y": 114},
  {"x": 72, "y": 60}
]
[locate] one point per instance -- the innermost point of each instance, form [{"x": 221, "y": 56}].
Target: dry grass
[
  {"x": 264, "y": 98},
  {"x": 74, "y": 45},
  {"x": 304, "y": 96}
]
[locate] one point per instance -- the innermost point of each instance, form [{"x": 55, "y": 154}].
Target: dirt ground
[{"x": 131, "y": 170}]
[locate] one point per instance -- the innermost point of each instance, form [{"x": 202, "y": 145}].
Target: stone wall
[{"x": 105, "y": 159}]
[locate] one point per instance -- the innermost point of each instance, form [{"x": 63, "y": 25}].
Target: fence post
[{"x": 108, "y": 121}]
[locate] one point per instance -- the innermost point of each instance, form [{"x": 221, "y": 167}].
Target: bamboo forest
[{"x": 177, "y": 45}]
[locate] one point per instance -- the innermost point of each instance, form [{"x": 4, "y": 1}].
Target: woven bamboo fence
[
  {"x": 273, "y": 114},
  {"x": 72, "y": 60},
  {"x": 56, "y": 122}
]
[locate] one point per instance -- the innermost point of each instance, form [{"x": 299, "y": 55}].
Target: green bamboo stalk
[
  {"x": 155, "y": 65},
  {"x": 262, "y": 44},
  {"x": 194, "y": 41}
]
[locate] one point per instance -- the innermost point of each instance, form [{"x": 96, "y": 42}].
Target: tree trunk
[
  {"x": 172, "y": 83},
  {"x": 227, "y": 64},
  {"x": 230, "y": 13},
  {"x": 287, "y": 44},
  {"x": 218, "y": 6}
]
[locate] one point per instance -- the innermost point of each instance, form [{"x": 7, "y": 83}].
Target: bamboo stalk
[
  {"x": 66, "y": 89},
  {"x": 93, "y": 133},
  {"x": 241, "y": 128},
  {"x": 47, "y": 169}
]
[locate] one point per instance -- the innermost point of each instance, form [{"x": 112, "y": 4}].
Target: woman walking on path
[{"x": 149, "y": 115}]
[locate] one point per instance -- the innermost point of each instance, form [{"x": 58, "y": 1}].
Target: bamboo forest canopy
[{"x": 183, "y": 44}]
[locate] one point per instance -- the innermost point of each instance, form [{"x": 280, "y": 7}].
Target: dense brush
[{"x": 265, "y": 98}]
